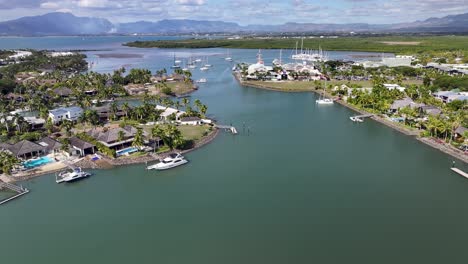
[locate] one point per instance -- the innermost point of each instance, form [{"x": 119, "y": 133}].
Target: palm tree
[
  {"x": 138, "y": 139},
  {"x": 121, "y": 137},
  {"x": 156, "y": 132},
  {"x": 8, "y": 162},
  {"x": 198, "y": 104},
  {"x": 114, "y": 108},
  {"x": 67, "y": 125},
  {"x": 126, "y": 108},
  {"x": 185, "y": 101}
]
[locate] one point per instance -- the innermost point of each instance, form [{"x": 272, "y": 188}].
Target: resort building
[
  {"x": 24, "y": 149},
  {"x": 105, "y": 112},
  {"x": 63, "y": 92},
  {"x": 81, "y": 147},
  {"x": 258, "y": 67},
  {"x": 65, "y": 113}
]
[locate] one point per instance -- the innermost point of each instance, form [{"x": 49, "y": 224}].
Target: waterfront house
[
  {"x": 105, "y": 112},
  {"x": 190, "y": 120},
  {"x": 443, "y": 95},
  {"x": 24, "y": 149},
  {"x": 167, "y": 112},
  {"x": 110, "y": 137},
  {"x": 429, "y": 110},
  {"x": 51, "y": 145},
  {"x": 82, "y": 147},
  {"x": 65, "y": 113},
  {"x": 406, "y": 102},
  {"x": 460, "y": 132}
]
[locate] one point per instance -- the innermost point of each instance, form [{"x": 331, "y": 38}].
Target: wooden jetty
[
  {"x": 19, "y": 190},
  {"x": 232, "y": 129},
  {"x": 360, "y": 118},
  {"x": 462, "y": 173}
]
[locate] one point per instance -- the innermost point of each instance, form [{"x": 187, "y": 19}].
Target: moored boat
[
  {"x": 73, "y": 175},
  {"x": 172, "y": 161}
]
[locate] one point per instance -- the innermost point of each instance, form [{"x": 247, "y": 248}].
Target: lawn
[{"x": 193, "y": 132}]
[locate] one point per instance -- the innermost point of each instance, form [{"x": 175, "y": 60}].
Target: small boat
[
  {"x": 202, "y": 80},
  {"x": 198, "y": 60},
  {"x": 324, "y": 101},
  {"x": 69, "y": 176},
  {"x": 172, "y": 161},
  {"x": 204, "y": 68},
  {"x": 192, "y": 66}
]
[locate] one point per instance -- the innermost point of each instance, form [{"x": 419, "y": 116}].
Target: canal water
[{"x": 301, "y": 183}]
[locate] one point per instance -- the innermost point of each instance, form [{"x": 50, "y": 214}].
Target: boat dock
[
  {"x": 231, "y": 129},
  {"x": 462, "y": 173},
  {"x": 360, "y": 118},
  {"x": 19, "y": 190}
]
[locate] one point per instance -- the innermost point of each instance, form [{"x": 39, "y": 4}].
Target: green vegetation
[
  {"x": 449, "y": 83},
  {"x": 101, "y": 147},
  {"x": 394, "y": 44}
]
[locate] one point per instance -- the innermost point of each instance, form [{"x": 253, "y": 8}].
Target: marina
[{"x": 239, "y": 193}]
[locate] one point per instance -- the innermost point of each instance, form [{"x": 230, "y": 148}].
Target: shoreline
[
  {"x": 413, "y": 133},
  {"x": 107, "y": 163}
]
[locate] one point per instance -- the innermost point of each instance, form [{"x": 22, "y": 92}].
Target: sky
[{"x": 243, "y": 12}]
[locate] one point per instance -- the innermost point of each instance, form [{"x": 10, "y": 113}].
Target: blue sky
[{"x": 242, "y": 11}]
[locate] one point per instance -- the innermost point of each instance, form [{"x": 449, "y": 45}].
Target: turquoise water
[
  {"x": 30, "y": 164},
  {"x": 301, "y": 183},
  {"x": 127, "y": 150}
]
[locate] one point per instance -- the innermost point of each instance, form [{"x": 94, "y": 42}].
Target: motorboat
[
  {"x": 326, "y": 101},
  {"x": 202, "y": 80},
  {"x": 198, "y": 60},
  {"x": 204, "y": 68},
  {"x": 73, "y": 175},
  {"x": 172, "y": 161}
]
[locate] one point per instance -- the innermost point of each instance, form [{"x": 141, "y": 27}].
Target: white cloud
[
  {"x": 50, "y": 5},
  {"x": 191, "y": 2}
]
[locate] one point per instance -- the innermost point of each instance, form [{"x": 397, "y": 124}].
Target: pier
[
  {"x": 19, "y": 190},
  {"x": 458, "y": 171},
  {"x": 231, "y": 129}
]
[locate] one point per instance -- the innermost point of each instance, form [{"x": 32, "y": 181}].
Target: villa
[
  {"x": 406, "y": 102},
  {"x": 110, "y": 137},
  {"x": 167, "y": 112},
  {"x": 65, "y": 113},
  {"x": 63, "y": 92},
  {"x": 82, "y": 147},
  {"x": 450, "y": 96},
  {"x": 24, "y": 149},
  {"x": 51, "y": 145}
]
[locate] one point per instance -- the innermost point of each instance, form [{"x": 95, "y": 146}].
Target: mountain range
[{"x": 57, "y": 23}]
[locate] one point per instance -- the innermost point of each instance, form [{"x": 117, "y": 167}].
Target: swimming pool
[
  {"x": 37, "y": 162},
  {"x": 126, "y": 150}
]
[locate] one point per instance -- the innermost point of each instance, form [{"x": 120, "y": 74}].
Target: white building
[
  {"x": 190, "y": 120},
  {"x": 394, "y": 86},
  {"x": 168, "y": 111},
  {"x": 65, "y": 113}
]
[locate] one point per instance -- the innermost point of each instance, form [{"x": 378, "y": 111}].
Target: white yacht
[
  {"x": 172, "y": 161},
  {"x": 204, "y": 68},
  {"x": 202, "y": 80},
  {"x": 69, "y": 176},
  {"x": 198, "y": 60}
]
